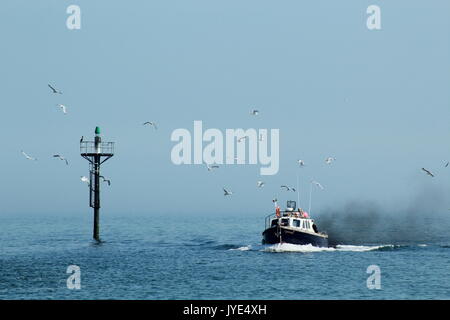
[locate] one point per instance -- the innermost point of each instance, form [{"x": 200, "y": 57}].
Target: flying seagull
[
  {"x": 242, "y": 138},
  {"x": 447, "y": 164},
  {"x": 254, "y": 112},
  {"x": 61, "y": 158},
  {"x": 62, "y": 107},
  {"x": 317, "y": 184},
  {"x": 329, "y": 160},
  {"x": 106, "y": 180},
  {"x": 151, "y": 123},
  {"x": 226, "y": 192},
  {"x": 54, "y": 90},
  {"x": 260, "y": 184},
  {"x": 85, "y": 179},
  {"x": 286, "y": 187},
  {"x": 301, "y": 163},
  {"x": 428, "y": 172},
  {"x": 28, "y": 157},
  {"x": 210, "y": 167}
]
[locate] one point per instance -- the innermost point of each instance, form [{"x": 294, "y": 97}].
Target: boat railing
[
  {"x": 268, "y": 219},
  {"x": 289, "y": 214}
]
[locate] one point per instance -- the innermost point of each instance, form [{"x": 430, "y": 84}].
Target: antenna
[
  {"x": 298, "y": 192},
  {"x": 310, "y": 196},
  {"x": 96, "y": 152}
]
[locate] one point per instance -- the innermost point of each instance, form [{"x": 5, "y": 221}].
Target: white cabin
[{"x": 296, "y": 223}]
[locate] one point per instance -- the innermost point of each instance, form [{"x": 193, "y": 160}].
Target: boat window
[
  {"x": 274, "y": 222},
  {"x": 291, "y": 205},
  {"x": 304, "y": 224},
  {"x": 284, "y": 222},
  {"x": 296, "y": 223}
]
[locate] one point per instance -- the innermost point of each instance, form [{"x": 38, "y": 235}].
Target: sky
[{"x": 376, "y": 100}]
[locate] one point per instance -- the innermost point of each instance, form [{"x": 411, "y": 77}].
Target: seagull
[
  {"x": 242, "y": 138},
  {"x": 61, "y": 158},
  {"x": 54, "y": 90},
  {"x": 254, "y": 112},
  {"x": 301, "y": 163},
  {"x": 287, "y": 188},
  {"x": 329, "y": 160},
  {"x": 226, "y": 192},
  {"x": 260, "y": 184},
  {"x": 63, "y": 108},
  {"x": 151, "y": 124},
  {"x": 85, "y": 179},
  {"x": 447, "y": 164},
  {"x": 317, "y": 184},
  {"x": 428, "y": 172},
  {"x": 211, "y": 167},
  {"x": 81, "y": 139},
  {"x": 28, "y": 157},
  {"x": 106, "y": 180}
]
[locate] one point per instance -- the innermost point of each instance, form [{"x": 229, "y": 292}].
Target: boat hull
[{"x": 272, "y": 236}]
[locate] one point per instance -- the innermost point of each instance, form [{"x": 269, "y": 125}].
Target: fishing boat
[{"x": 292, "y": 226}]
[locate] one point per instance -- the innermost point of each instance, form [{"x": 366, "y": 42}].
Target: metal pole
[
  {"x": 310, "y": 195},
  {"x": 94, "y": 152},
  {"x": 97, "y": 190}
]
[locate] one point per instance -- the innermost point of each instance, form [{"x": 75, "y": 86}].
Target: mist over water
[{"x": 425, "y": 219}]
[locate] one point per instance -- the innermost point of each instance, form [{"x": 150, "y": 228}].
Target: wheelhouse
[{"x": 291, "y": 219}]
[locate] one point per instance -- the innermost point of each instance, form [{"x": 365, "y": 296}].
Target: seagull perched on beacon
[
  {"x": 62, "y": 107},
  {"x": 226, "y": 192},
  {"x": 151, "y": 123},
  {"x": 54, "y": 90},
  {"x": 85, "y": 179},
  {"x": 28, "y": 157},
  {"x": 61, "y": 158},
  {"x": 428, "y": 172}
]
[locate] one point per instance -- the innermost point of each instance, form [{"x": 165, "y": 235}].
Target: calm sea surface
[{"x": 201, "y": 257}]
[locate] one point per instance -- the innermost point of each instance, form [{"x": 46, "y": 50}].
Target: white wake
[
  {"x": 244, "y": 248},
  {"x": 288, "y": 247}
]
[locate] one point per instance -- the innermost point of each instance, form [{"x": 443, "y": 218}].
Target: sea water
[{"x": 207, "y": 257}]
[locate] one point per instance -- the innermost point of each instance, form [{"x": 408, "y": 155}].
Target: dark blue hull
[{"x": 272, "y": 236}]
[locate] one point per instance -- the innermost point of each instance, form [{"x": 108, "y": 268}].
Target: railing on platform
[{"x": 89, "y": 147}]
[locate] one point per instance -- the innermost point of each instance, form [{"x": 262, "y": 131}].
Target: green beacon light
[{"x": 97, "y": 130}]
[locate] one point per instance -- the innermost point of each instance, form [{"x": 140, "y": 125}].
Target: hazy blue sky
[{"x": 378, "y": 101}]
